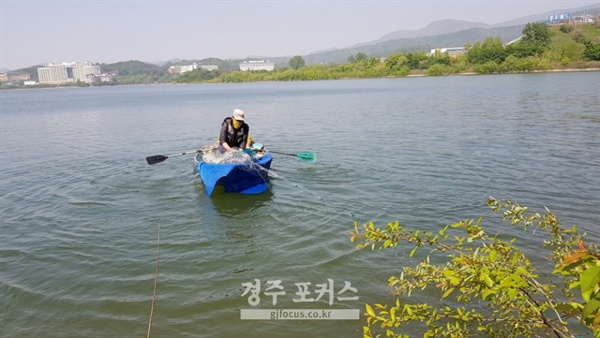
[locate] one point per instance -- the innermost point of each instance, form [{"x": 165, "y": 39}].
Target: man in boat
[{"x": 234, "y": 133}]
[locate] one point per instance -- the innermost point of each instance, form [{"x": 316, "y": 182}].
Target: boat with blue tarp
[{"x": 244, "y": 172}]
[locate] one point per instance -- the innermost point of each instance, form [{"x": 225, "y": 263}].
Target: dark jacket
[{"x": 234, "y": 138}]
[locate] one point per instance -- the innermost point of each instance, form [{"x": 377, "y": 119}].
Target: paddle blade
[
  {"x": 307, "y": 157},
  {"x": 156, "y": 159},
  {"x": 249, "y": 152}
]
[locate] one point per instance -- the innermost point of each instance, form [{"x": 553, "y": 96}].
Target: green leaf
[
  {"x": 393, "y": 314},
  {"x": 458, "y": 225},
  {"x": 569, "y": 307},
  {"x": 370, "y": 310},
  {"x": 448, "y": 272},
  {"x": 488, "y": 281},
  {"x": 412, "y": 252},
  {"x": 521, "y": 270},
  {"x": 589, "y": 279},
  {"x": 591, "y": 307},
  {"x": 447, "y": 293},
  {"x": 486, "y": 293}
]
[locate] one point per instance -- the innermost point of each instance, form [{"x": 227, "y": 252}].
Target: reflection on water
[
  {"x": 78, "y": 215},
  {"x": 233, "y": 204}
]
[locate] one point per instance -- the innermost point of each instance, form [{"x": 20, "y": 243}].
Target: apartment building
[
  {"x": 257, "y": 65},
  {"x": 68, "y": 72}
]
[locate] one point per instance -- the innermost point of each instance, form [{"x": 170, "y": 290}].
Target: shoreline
[{"x": 565, "y": 70}]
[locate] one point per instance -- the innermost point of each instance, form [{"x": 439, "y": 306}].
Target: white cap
[{"x": 238, "y": 114}]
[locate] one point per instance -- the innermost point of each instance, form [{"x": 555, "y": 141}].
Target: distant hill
[
  {"x": 441, "y": 27},
  {"x": 32, "y": 71},
  {"x": 438, "y": 34},
  {"x": 132, "y": 67},
  {"x": 435, "y": 28},
  {"x": 408, "y": 45},
  {"x": 168, "y": 62},
  {"x": 591, "y": 9}
]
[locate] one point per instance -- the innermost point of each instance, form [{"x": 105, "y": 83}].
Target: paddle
[
  {"x": 306, "y": 157},
  {"x": 161, "y": 158}
]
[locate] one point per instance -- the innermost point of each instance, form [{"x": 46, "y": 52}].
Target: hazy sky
[{"x": 107, "y": 31}]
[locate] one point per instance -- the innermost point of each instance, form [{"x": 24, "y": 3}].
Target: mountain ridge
[
  {"x": 437, "y": 34},
  {"x": 446, "y": 26},
  {"x": 438, "y": 27}
]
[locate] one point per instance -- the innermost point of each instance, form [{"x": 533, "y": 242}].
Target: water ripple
[{"x": 79, "y": 218}]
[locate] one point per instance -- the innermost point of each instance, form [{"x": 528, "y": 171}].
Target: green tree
[
  {"x": 296, "y": 62},
  {"x": 360, "y": 56},
  {"x": 522, "y": 50},
  {"x": 396, "y": 61},
  {"x": 569, "y": 50},
  {"x": 489, "y": 67},
  {"x": 566, "y": 29},
  {"x": 438, "y": 69},
  {"x": 414, "y": 59},
  {"x": 197, "y": 75},
  {"x": 440, "y": 58},
  {"x": 397, "y": 64},
  {"x": 592, "y": 51},
  {"x": 471, "y": 268},
  {"x": 492, "y": 49},
  {"x": 536, "y": 33}
]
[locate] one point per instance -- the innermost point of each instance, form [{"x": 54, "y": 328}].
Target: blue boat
[{"x": 249, "y": 177}]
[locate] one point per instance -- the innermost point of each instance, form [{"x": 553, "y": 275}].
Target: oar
[
  {"x": 306, "y": 157},
  {"x": 161, "y": 158}
]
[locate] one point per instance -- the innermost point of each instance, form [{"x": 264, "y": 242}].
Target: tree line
[{"x": 540, "y": 48}]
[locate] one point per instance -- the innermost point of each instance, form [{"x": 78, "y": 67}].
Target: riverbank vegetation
[
  {"x": 542, "y": 48},
  {"x": 465, "y": 281}
]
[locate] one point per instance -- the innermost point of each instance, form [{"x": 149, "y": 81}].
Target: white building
[
  {"x": 587, "y": 18},
  {"x": 257, "y": 65},
  {"x": 67, "y": 72},
  {"x": 189, "y": 68},
  {"x": 209, "y": 67},
  {"x": 452, "y": 51}
]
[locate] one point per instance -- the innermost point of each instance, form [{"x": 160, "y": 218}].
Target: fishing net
[
  {"x": 234, "y": 157},
  {"x": 211, "y": 154}
]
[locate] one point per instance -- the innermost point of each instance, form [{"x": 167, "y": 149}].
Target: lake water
[{"x": 80, "y": 207}]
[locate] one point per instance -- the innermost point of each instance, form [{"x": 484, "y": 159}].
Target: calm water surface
[{"x": 80, "y": 208}]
